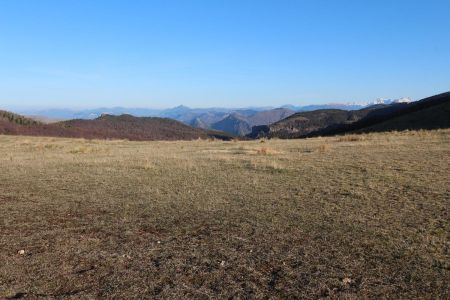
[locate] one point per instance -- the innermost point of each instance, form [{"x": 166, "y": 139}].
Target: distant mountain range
[
  {"x": 233, "y": 121},
  {"x": 383, "y": 115},
  {"x": 241, "y": 122},
  {"x": 347, "y": 106}
]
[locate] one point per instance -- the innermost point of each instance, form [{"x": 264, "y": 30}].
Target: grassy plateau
[{"x": 358, "y": 216}]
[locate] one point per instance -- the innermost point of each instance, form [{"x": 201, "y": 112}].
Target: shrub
[{"x": 351, "y": 138}]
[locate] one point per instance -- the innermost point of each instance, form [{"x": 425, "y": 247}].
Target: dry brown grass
[
  {"x": 351, "y": 138},
  {"x": 267, "y": 151},
  {"x": 323, "y": 148},
  {"x": 340, "y": 217}
]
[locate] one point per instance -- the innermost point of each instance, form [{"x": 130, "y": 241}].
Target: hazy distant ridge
[{"x": 237, "y": 121}]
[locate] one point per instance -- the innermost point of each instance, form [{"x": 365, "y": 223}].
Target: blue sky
[{"x": 229, "y": 53}]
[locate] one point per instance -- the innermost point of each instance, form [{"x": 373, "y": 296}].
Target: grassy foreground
[{"x": 342, "y": 217}]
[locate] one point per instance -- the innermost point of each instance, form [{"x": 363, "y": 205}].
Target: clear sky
[{"x": 87, "y": 53}]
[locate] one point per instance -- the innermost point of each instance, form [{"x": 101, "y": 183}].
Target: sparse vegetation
[
  {"x": 16, "y": 119},
  {"x": 213, "y": 219}
]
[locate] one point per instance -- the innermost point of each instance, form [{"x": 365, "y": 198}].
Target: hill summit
[{"x": 107, "y": 127}]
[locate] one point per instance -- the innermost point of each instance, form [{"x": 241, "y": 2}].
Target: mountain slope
[
  {"x": 199, "y": 123},
  {"x": 133, "y": 128},
  {"x": 269, "y": 116},
  {"x": 429, "y": 113},
  {"x": 109, "y": 127},
  {"x": 434, "y": 117},
  {"x": 16, "y": 119},
  {"x": 207, "y": 119},
  {"x": 11, "y": 123},
  {"x": 234, "y": 124},
  {"x": 303, "y": 123},
  {"x": 241, "y": 124}
]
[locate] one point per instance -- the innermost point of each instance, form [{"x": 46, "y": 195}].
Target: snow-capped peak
[
  {"x": 380, "y": 101},
  {"x": 402, "y": 100},
  {"x": 390, "y": 101}
]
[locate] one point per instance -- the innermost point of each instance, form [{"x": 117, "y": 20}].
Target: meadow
[{"x": 358, "y": 216}]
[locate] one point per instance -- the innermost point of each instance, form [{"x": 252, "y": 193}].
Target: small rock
[
  {"x": 21, "y": 252},
  {"x": 222, "y": 264},
  {"x": 18, "y": 295},
  {"x": 346, "y": 280}
]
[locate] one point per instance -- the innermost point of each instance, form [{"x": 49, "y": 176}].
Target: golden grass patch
[{"x": 327, "y": 217}]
